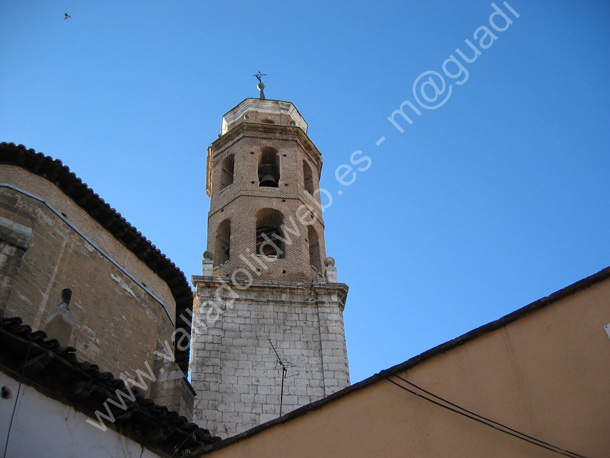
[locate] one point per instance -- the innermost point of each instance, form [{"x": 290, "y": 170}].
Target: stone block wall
[{"x": 236, "y": 371}]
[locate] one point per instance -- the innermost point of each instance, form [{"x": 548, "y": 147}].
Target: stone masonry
[{"x": 236, "y": 371}]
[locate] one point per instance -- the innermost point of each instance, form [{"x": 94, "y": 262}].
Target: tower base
[{"x": 269, "y": 348}]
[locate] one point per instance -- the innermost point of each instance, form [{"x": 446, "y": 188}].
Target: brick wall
[
  {"x": 48, "y": 243},
  {"x": 240, "y": 201}
]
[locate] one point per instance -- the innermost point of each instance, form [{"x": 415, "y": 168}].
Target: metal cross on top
[
  {"x": 259, "y": 76},
  {"x": 260, "y": 86}
]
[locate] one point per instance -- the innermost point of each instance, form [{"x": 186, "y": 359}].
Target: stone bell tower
[{"x": 268, "y": 335}]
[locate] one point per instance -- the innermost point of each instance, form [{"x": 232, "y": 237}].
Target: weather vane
[{"x": 260, "y": 86}]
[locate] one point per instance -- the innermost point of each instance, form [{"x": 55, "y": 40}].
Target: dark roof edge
[
  {"x": 83, "y": 196},
  {"x": 461, "y": 340},
  {"x": 40, "y": 362}
]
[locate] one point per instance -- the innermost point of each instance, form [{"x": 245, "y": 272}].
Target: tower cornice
[
  {"x": 273, "y": 131},
  {"x": 265, "y": 106},
  {"x": 315, "y": 290}
]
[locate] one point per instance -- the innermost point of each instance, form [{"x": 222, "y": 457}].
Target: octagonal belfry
[{"x": 262, "y": 178}]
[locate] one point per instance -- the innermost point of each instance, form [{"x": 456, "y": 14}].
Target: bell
[
  {"x": 269, "y": 181},
  {"x": 268, "y": 176}
]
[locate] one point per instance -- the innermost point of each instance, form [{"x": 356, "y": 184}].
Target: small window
[
  {"x": 268, "y": 168},
  {"x": 222, "y": 247},
  {"x": 308, "y": 178},
  {"x": 268, "y": 121},
  {"x": 269, "y": 234},
  {"x": 227, "y": 171}
]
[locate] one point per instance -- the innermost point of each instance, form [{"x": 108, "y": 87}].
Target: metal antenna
[{"x": 284, "y": 371}]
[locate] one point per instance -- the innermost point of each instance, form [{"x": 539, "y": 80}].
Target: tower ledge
[
  {"x": 224, "y": 288},
  {"x": 263, "y": 111}
]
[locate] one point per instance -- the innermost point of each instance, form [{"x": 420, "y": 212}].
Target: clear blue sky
[{"x": 493, "y": 200}]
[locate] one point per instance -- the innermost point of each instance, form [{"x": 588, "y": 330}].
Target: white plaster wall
[{"x": 43, "y": 427}]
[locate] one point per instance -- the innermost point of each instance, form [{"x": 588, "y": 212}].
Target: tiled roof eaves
[
  {"x": 383, "y": 375},
  {"x": 56, "y": 372},
  {"x": 59, "y": 174}
]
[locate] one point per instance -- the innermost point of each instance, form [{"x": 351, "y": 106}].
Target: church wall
[
  {"x": 41, "y": 187},
  {"x": 118, "y": 324}
]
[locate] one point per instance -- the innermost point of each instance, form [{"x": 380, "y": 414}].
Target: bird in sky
[{"x": 67, "y": 16}]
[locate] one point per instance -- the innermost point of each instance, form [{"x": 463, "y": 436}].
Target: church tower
[{"x": 268, "y": 335}]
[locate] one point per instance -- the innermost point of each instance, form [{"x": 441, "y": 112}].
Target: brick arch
[
  {"x": 268, "y": 167},
  {"x": 222, "y": 243},
  {"x": 308, "y": 178},
  {"x": 269, "y": 233},
  {"x": 315, "y": 259},
  {"x": 227, "y": 171}
]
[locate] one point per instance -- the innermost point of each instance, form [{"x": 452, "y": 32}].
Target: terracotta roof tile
[{"x": 61, "y": 376}]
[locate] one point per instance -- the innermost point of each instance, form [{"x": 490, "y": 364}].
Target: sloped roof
[
  {"x": 56, "y": 372},
  {"x": 73, "y": 187}
]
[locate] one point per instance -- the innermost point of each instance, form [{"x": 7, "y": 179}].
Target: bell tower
[{"x": 268, "y": 335}]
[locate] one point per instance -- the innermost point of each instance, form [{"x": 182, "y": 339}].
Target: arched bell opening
[
  {"x": 269, "y": 234},
  {"x": 222, "y": 243},
  {"x": 308, "y": 178},
  {"x": 314, "y": 250},
  {"x": 269, "y": 168},
  {"x": 227, "y": 171}
]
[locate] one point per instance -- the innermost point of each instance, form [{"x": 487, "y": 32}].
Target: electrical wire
[
  {"x": 486, "y": 419},
  {"x": 481, "y": 419}
]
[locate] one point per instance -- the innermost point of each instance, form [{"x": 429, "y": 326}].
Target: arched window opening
[
  {"x": 314, "y": 250},
  {"x": 227, "y": 170},
  {"x": 269, "y": 168},
  {"x": 269, "y": 234},
  {"x": 308, "y": 178},
  {"x": 222, "y": 248}
]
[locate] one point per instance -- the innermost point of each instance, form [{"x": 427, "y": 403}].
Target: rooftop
[{"x": 56, "y": 372}]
